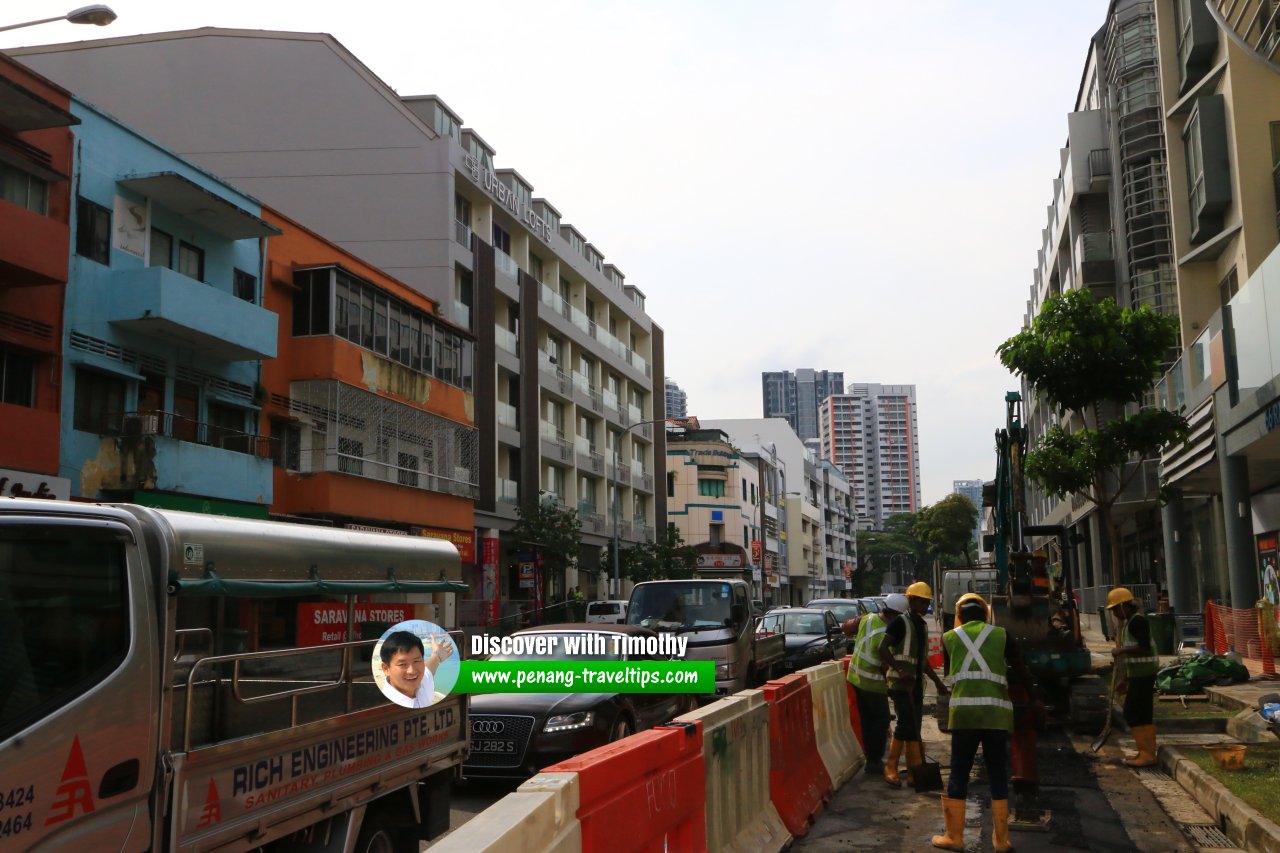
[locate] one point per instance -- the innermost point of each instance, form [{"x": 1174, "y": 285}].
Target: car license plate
[{"x": 490, "y": 745}]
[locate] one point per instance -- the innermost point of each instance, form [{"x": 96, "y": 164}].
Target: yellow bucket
[{"x": 1228, "y": 756}]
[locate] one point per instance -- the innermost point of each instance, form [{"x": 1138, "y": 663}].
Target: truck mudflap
[{"x": 241, "y": 794}]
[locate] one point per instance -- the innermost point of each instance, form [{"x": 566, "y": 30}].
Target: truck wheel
[{"x": 380, "y": 835}]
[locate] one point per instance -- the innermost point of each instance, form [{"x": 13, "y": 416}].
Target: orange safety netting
[{"x": 1251, "y": 633}]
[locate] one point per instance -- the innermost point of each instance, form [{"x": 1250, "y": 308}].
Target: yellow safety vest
[
  {"x": 865, "y": 670},
  {"x": 979, "y": 677}
]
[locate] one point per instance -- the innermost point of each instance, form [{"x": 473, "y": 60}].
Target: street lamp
[
  {"x": 97, "y": 14},
  {"x": 615, "y": 586},
  {"x": 897, "y": 576}
]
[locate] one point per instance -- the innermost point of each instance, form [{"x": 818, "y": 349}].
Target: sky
[{"x": 848, "y": 185}]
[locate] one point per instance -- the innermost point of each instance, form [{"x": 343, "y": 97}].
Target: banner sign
[
  {"x": 464, "y": 542},
  {"x": 321, "y": 623}
]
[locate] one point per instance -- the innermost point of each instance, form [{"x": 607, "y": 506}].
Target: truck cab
[{"x": 161, "y": 690}]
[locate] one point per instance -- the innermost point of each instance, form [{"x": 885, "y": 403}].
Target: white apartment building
[
  {"x": 568, "y": 369},
  {"x": 870, "y": 433},
  {"x": 713, "y": 497}
]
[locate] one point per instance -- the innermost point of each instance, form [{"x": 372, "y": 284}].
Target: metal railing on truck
[{"x": 232, "y": 709}]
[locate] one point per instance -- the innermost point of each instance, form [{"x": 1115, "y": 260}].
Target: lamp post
[
  {"x": 897, "y": 576},
  {"x": 97, "y": 15},
  {"x": 615, "y": 585}
]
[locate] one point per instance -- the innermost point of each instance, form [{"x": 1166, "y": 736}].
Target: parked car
[
  {"x": 872, "y": 604},
  {"x": 608, "y": 612},
  {"x": 514, "y": 735},
  {"x": 843, "y": 608},
  {"x": 757, "y": 607},
  {"x": 811, "y": 635}
]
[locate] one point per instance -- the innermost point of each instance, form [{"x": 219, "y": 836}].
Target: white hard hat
[{"x": 897, "y": 602}]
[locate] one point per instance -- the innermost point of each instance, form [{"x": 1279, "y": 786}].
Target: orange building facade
[
  {"x": 35, "y": 163},
  {"x": 368, "y": 403}
]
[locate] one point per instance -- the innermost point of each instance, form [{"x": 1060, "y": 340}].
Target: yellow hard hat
[
  {"x": 972, "y": 596},
  {"x": 919, "y": 589},
  {"x": 1118, "y": 596}
]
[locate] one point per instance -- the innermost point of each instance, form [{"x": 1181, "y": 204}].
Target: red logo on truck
[
  {"x": 74, "y": 791},
  {"x": 212, "y": 812}
]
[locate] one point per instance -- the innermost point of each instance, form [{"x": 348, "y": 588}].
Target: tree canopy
[
  {"x": 667, "y": 557},
  {"x": 946, "y": 527},
  {"x": 552, "y": 529},
  {"x": 1092, "y": 359}
]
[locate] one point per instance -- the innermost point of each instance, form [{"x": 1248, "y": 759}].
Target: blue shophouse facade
[{"x": 164, "y": 330}]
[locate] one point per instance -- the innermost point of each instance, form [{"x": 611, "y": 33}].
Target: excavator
[{"x": 1034, "y": 602}]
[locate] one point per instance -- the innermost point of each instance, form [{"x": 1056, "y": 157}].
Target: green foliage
[
  {"x": 947, "y": 527},
  {"x": 552, "y": 529},
  {"x": 667, "y": 557},
  {"x": 1082, "y": 356},
  {"x": 1079, "y": 352},
  {"x": 878, "y": 548}
]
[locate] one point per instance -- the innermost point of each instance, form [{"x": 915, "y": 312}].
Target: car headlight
[
  {"x": 725, "y": 670},
  {"x": 569, "y": 722}
]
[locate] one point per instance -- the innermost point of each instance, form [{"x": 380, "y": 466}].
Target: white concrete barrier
[
  {"x": 540, "y": 817},
  {"x": 837, "y": 744},
  {"x": 741, "y": 817}
]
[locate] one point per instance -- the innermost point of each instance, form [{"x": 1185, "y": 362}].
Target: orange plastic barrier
[
  {"x": 798, "y": 782},
  {"x": 935, "y": 653},
  {"x": 854, "y": 719},
  {"x": 1228, "y": 628},
  {"x": 643, "y": 793}
]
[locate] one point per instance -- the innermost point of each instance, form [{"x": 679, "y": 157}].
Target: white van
[{"x": 607, "y": 612}]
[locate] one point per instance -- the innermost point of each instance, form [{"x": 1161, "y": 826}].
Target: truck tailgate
[
  {"x": 770, "y": 648},
  {"x": 242, "y": 793}
]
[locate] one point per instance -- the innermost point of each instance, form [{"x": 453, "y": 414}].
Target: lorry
[
  {"x": 154, "y": 695},
  {"x": 957, "y": 582},
  {"x": 717, "y": 618}
]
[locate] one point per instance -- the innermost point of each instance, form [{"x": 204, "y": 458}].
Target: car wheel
[{"x": 622, "y": 727}]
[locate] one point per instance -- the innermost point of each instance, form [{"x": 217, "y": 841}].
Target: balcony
[
  {"x": 579, "y": 319},
  {"x": 550, "y": 432},
  {"x": 1099, "y": 168},
  {"x": 638, "y": 361},
  {"x": 553, "y": 300},
  {"x": 1095, "y": 264},
  {"x": 506, "y": 265},
  {"x": 462, "y": 234},
  {"x": 506, "y": 340},
  {"x": 462, "y": 314},
  {"x": 34, "y": 249},
  {"x": 508, "y": 416},
  {"x": 165, "y": 305},
  {"x": 508, "y": 491}
]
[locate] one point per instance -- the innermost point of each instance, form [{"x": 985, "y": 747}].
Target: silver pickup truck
[
  {"x": 154, "y": 695},
  {"x": 717, "y": 619}
]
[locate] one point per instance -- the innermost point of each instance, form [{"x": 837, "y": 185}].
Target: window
[
  {"x": 17, "y": 378},
  {"x": 444, "y": 124},
  {"x": 407, "y": 473},
  {"x": 286, "y": 445},
  {"x": 186, "y": 411},
  {"x": 93, "y": 231},
  {"x": 535, "y": 266},
  {"x": 64, "y": 616},
  {"x": 24, "y": 189},
  {"x": 716, "y": 534},
  {"x": 225, "y": 422},
  {"x": 311, "y": 303},
  {"x": 190, "y": 260},
  {"x": 501, "y": 240},
  {"x": 1195, "y": 163},
  {"x": 711, "y": 488},
  {"x": 245, "y": 286},
  {"x": 160, "y": 251},
  {"x": 99, "y": 402},
  {"x": 671, "y": 484},
  {"x": 1228, "y": 287},
  {"x": 350, "y": 456}
]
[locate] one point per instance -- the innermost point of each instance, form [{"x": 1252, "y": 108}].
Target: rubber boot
[
  {"x": 1000, "y": 826},
  {"x": 915, "y": 757},
  {"x": 1145, "y": 738},
  {"x": 891, "y": 764},
  {"x": 953, "y": 816}
]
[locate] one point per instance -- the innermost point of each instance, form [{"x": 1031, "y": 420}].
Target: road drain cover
[
  {"x": 1152, "y": 773},
  {"x": 1202, "y": 835}
]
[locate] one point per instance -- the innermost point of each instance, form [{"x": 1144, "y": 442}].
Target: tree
[
  {"x": 1093, "y": 360},
  {"x": 666, "y": 557},
  {"x": 946, "y": 528},
  {"x": 553, "y": 530},
  {"x": 879, "y": 549}
]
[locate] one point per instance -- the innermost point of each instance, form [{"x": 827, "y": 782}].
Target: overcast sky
[{"x": 849, "y": 186}]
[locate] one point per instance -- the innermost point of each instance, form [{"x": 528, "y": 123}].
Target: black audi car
[
  {"x": 514, "y": 735},
  {"x": 812, "y": 635}
]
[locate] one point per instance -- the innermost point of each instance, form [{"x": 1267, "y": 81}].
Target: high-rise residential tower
[
  {"x": 871, "y": 435},
  {"x": 796, "y": 396},
  {"x": 677, "y": 400}
]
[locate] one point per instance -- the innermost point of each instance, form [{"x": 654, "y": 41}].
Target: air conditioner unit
[{"x": 140, "y": 425}]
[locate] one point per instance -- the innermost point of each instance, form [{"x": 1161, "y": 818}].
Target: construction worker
[
  {"x": 866, "y": 674},
  {"x": 979, "y": 658},
  {"x": 904, "y": 651},
  {"x": 1138, "y": 678}
]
